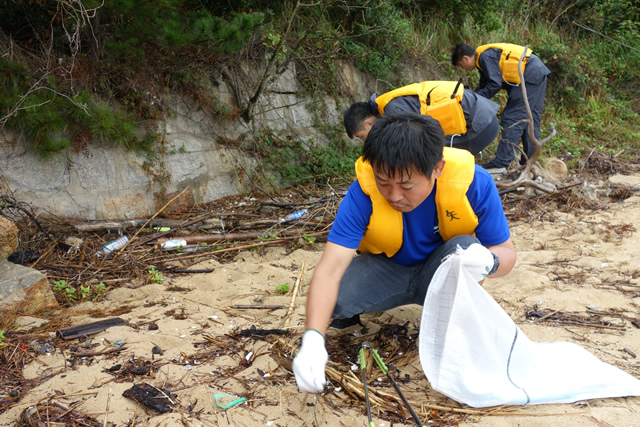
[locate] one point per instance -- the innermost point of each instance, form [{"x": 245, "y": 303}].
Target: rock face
[
  {"x": 200, "y": 152},
  {"x": 22, "y": 289},
  {"x": 8, "y": 238}
]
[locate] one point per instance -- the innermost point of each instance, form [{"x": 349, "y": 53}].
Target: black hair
[
  {"x": 461, "y": 50},
  {"x": 355, "y": 116},
  {"x": 401, "y": 143}
]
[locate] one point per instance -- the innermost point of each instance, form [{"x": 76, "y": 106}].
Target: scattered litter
[
  {"x": 219, "y": 397},
  {"x": 114, "y": 245},
  {"x": 302, "y": 213},
  {"x": 173, "y": 244},
  {"x": 253, "y": 332},
  {"x": 139, "y": 370},
  {"x": 88, "y": 329},
  {"x": 151, "y": 397}
]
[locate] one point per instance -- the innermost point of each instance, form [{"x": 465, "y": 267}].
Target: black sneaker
[
  {"x": 345, "y": 323},
  {"x": 492, "y": 165}
]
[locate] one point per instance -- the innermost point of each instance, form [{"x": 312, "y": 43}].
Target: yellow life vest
[
  {"x": 438, "y": 99},
  {"x": 509, "y": 59},
  {"x": 455, "y": 214}
]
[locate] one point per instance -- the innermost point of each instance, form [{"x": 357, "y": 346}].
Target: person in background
[
  {"x": 469, "y": 120},
  {"x": 498, "y": 67},
  {"x": 414, "y": 203}
]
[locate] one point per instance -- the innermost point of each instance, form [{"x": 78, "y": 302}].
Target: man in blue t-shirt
[{"x": 391, "y": 215}]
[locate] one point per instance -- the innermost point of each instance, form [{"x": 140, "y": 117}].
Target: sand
[{"x": 576, "y": 263}]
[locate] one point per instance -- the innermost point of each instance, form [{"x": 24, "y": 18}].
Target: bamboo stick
[{"x": 296, "y": 286}]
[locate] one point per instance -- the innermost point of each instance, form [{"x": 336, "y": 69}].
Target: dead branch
[
  {"x": 293, "y": 296},
  {"x": 111, "y": 225},
  {"x": 218, "y": 237},
  {"x": 523, "y": 176},
  {"x": 248, "y": 112}
]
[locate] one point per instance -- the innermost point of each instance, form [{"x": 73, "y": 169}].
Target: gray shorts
[{"x": 374, "y": 283}]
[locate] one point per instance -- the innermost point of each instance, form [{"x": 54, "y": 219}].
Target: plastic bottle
[
  {"x": 173, "y": 244},
  {"x": 302, "y": 213},
  {"x": 115, "y": 245}
]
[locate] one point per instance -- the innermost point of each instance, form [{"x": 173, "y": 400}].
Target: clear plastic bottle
[
  {"x": 302, "y": 213},
  {"x": 113, "y": 246}
]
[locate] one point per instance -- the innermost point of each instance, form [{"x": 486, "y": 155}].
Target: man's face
[
  {"x": 405, "y": 192},
  {"x": 467, "y": 63}
]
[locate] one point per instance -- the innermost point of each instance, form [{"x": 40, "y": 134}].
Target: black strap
[
  {"x": 429, "y": 96},
  {"x": 453, "y": 95}
]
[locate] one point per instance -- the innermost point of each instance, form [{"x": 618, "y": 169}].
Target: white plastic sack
[{"x": 473, "y": 352}]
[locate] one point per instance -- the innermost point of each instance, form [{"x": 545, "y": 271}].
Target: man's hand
[
  {"x": 309, "y": 363},
  {"x": 477, "y": 260}
]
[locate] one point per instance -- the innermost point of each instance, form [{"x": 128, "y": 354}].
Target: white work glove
[
  {"x": 309, "y": 363},
  {"x": 477, "y": 260}
]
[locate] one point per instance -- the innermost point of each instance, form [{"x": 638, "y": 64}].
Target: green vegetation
[
  {"x": 94, "y": 85},
  {"x": 268, "y": 236},
  {"x": 55, "y": 121},
  {"x": 70, "y": 294},
  {"x": 282, "y": 289},
  {"x": 309, "y": 240},
  {"x": 70, "y": 78},
  {"x": 154, "y": 276},
  {"x": 289, "y": 162}
]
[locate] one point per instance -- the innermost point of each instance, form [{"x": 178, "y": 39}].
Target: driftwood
[
  {"x": 136, "y": 223},
  {"x": 257, "y": 307},
  {"x": 217, "y": 237},
  {"x": 523, "y": 175}
]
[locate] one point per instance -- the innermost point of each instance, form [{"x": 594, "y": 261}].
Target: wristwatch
[{"x": 496, "y": 264}]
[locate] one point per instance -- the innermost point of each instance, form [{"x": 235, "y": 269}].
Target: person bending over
[
  {"x": 498, "y": 67},
  {"x": 469, "y": 121}
]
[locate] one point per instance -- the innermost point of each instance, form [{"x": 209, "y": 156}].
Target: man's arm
[
  {"x": 506, "y": 253},
  {"x": 323, "y": 289},
  {"x": 490, "y": 75}
]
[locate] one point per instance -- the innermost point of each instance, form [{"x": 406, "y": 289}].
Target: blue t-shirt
[{"x": 420, "y": 234}]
